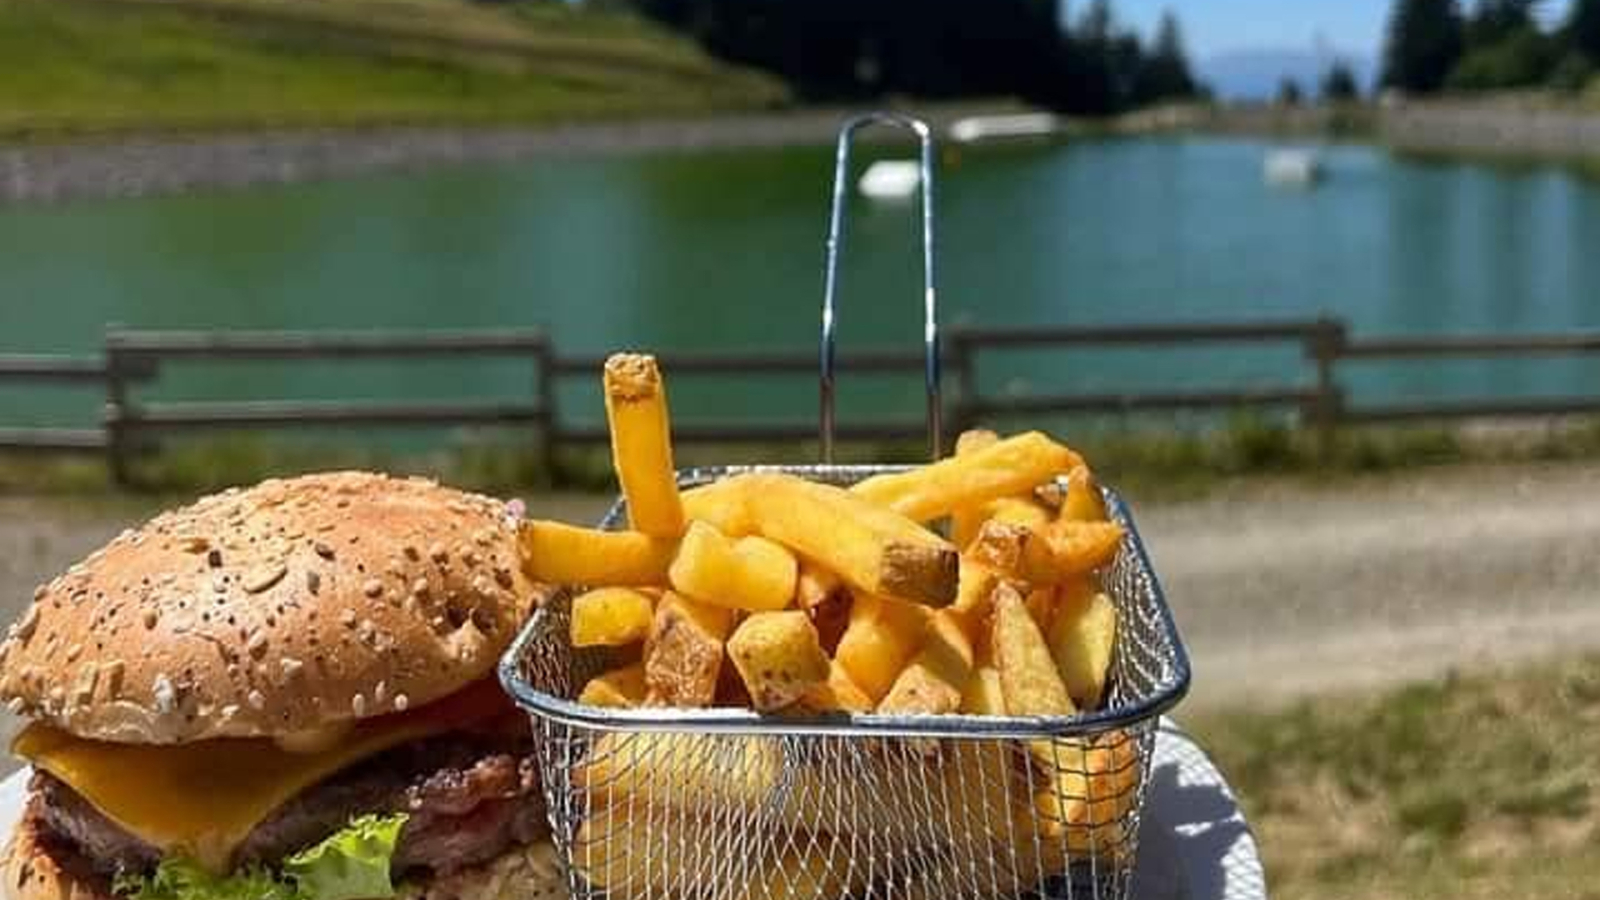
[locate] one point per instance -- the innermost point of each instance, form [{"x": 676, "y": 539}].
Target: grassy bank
[
  {"x": 1478, "y": 786},
  {"x": 87, "y": 67},
  {"x": 1146, "y": 464}
]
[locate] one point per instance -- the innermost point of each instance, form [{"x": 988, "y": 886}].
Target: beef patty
[{"x": 470, "y": 796}]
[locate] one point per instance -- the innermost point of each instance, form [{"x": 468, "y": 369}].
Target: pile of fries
[{"x": 790, "y": 597}]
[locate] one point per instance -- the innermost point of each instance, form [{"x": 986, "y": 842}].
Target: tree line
[
  {"x": 1435, "y": 45},
  {"x": 852, "y": 49}
]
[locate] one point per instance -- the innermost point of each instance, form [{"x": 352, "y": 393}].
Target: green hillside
[{"x": 76, "y": 67}]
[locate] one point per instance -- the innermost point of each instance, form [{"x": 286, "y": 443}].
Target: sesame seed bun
[
  {"x": 291, "y": 607},
  {"x": 30, "y": 870}
]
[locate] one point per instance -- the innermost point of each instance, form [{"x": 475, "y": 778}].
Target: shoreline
[
  {"x": 147, "y": 165},
  {"x": 152, "y": 165}
]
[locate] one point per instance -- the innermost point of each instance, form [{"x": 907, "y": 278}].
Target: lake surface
[{"x": 724, "y": 251}]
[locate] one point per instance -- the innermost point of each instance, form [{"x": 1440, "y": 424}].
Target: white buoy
[
  {"x": 890, "y": 179},
  {"x": 1022, "y": 125},
  {"x": 1292, "y": 168}
]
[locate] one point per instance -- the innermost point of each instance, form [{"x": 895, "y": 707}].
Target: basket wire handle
[{"x": 930, "y": 326}]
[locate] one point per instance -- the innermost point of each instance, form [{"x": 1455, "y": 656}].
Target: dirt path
[{"x": 1280, "y": 589}]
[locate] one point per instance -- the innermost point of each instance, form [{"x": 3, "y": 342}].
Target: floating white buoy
[
  {"x": 1292, "y": 168},
  {"x": 1023, "y": 125},
  {"x": 890, "y": 179}
]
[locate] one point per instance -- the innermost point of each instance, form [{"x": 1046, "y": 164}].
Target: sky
[{"x": 1214, "y": 27}]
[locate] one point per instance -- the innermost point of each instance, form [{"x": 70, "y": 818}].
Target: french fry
[
  {"x": 1018, "y": 511},
  {"x": 554, "y": 553},
  {"x": 750, "y": 573},
  {"x": 778, "y": 657},
  {"x": 610, "y": 617},
  {"x": 626, "y": 851},
  {"x": 1013, "y": 466},
  {"x": 683, "y": 655},
  {"x": 1082, "y": 637},
  {"x": 1087, "y": 795},
  {"x": 976, "y": 588},
  {"x": 1083, "y": 501},
  {"x": 1028, "y": 677},
  {"x": 919, "y": 690},
  {"x": 622, "y": 688},
  {"x": 641, "y": 444},
  {"x": 719, "y": 504},
  {"x": 679, "y": 769},
  {"x": 838, "y": 694},
  {"x": 966, "y": 520},
  {"x": 1014, "y": 551},
  {"x": 1082, "y": 547},
  {"x": 870, "y": 548},
  {"x": 879, "y": 641},
  {"x": 814, "y": 586},
  {"x": 983, "y": 695}
]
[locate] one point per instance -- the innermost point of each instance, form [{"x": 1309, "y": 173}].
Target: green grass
[
  {"x": 1477, "y": 785},
  {"x": 87, "y": 67}
]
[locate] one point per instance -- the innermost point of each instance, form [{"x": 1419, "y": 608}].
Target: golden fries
[
  {"x": 563, "y": 554},
  {"x": 838, "y": 694},
  {"x": 872, "y": 549},
  {"x": 1081, "y": 547},
  {"x": 815, "y": 586},
  {"x": 641, "y": 444},
  {"x": 622, "y": 688},
  {"x": 610, "y": 617},
  {"x": 683, "y": 656},
  {"x": 1014, "y": 551},
  {"x": 1010, "y": 468},
  {"x": 778, "y": 657},
  {"x": 750, "y": 573},
  {"x": 1082, "y": 637},
  {"x": 1028, "y": 676},
  {"x": 965, "y": 520},
  {"x": 879, "y": 641},
  {"x": 1083, "y": 501},
  {"x": 682, "y": 769}
]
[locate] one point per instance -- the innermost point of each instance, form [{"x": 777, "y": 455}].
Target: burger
[{"x": 281, "y": 693}]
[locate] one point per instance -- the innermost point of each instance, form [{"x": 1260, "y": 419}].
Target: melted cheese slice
[{"x": 203, "y": 798}]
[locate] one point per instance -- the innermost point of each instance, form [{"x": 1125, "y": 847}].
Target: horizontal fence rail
[{"x": 133, "y": 360}]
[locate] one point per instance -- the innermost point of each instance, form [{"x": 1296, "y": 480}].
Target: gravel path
[{"x": 1281, "y": 589}]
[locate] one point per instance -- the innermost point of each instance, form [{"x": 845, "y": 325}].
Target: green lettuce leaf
[{"x": 350, "y": 864}]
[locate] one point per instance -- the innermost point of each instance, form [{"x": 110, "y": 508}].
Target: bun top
[{"x": 288, "y": 607}]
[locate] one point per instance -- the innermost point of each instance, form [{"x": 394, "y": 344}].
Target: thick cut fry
[
  {"x": 1082, "y": 547},
  {"x": 1014, "y": 551},
  {"x": 881, "y": 638},
  {"x": 992, "y": 825},
  {"x": 822, "y": 867},
  {"x": 566, "y": 555},
  {"x": 1089, "y": 793},
  {"x": 815, "y": 586},
  {"x": 626, "y": 850},
  {"x": 720, "y": 505},
  {"x": 610, "y": 617},
  {"x": 750, "y": 573},
  {"x": 839, "y": 693},
  {"x": 1028, "y": 676},
  {"x": 872, "y": 549},
  {"x": 1082, "y": 637},
  {"x": 778, "y": 657},
  {"x": 641, "y": 444},
  {"x": 1018, "y": 511},
  {"x": 622, "y": 688},
  {"x": 1083, "y": 501},
  {"x": 977, "y": 586},
  {"x": 831, "y": 617},
  {"x": 983, "y": 695},
  {"x": 1013, "y": 466},
  {"x": 677, "y": 769},
  {"x": 966, "y": 520},
  {"x": 920, "y": 691},
  {"x": 684, "y": 653}
]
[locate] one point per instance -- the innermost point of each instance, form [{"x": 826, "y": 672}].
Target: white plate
[{"x": 1194, "y": 845}]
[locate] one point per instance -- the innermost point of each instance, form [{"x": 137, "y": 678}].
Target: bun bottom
[{"x": 30, "y": 870}]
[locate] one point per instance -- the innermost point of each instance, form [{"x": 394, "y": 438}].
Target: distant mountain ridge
[{"x": 1255, "y": 74}]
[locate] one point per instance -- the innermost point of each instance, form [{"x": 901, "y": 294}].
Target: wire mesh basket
[{"x": 729, "y": 804}]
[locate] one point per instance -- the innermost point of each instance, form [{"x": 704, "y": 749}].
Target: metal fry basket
[{"x": 728, "y": 804}]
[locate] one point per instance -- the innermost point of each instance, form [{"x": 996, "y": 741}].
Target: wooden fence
[{"x": 132, "y": 360}]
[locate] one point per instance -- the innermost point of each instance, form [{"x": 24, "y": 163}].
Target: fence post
[
  {"x": 113, "y": 417},
  {"x": 966, "y": 379},
  {"x": 1325, "y": 345},
  {"x": 544, "y": 362}
]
